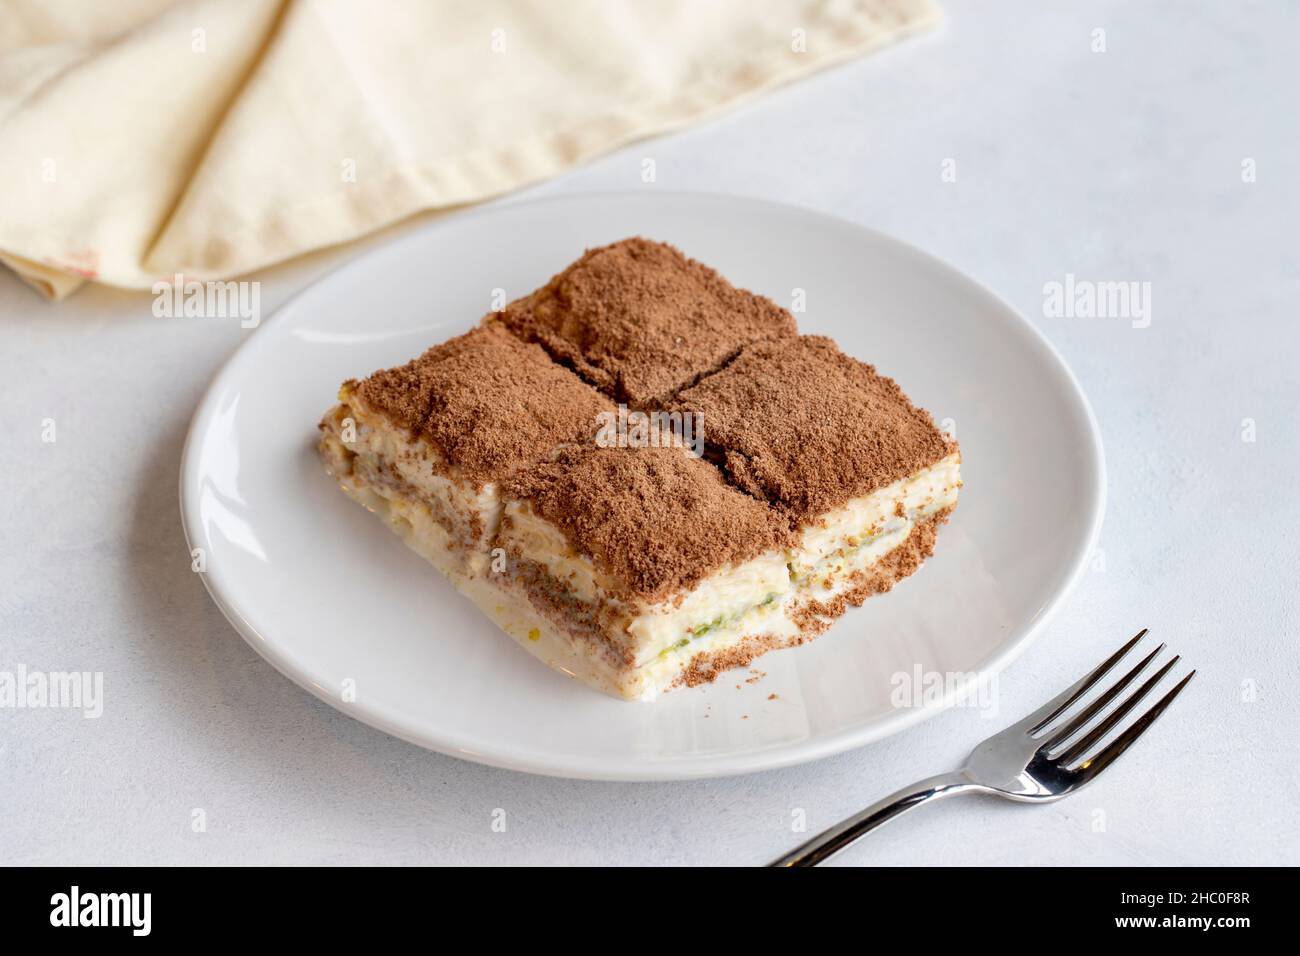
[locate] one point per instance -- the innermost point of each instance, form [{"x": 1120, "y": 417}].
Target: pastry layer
[
  {"x": 852, "y": 537},
  {"x": 645, "y": 552},
  {"x": 410, "y": 516},
  {"x": 737, "y": 598},
  {"x": 555, "y": 609},
  {"x": 652, "y": 639},
  {"x": 813, "y": 612},
  {"x": 405, "y": 481}
]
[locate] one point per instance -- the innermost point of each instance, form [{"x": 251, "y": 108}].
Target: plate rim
[{"x": 679, "y": 768}]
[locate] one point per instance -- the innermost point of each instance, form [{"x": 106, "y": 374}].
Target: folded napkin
[{"x": 144, "y": 138}]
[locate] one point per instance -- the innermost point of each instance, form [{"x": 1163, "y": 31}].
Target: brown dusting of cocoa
[
  {"x": 655, "y": 519},
  {"x": 488, "y": 402},
  {"x": 807, "y": 427},
  {"x": 641, "y": 321}
]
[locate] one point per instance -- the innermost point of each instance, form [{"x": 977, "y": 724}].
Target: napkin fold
[{"x": 140, "y": 139}]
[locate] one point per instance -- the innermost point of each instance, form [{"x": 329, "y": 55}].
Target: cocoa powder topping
[
  {"x": 487, "y": 401},
  {"x": 655, "y": 519},
  {"x": 803, "y": 425},
  {"x": 641, "y": 321}
]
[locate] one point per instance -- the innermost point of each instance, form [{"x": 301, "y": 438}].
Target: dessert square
[
  {"x": 597, "y": 537},
  {"x": 864, "y": 475},
  {"x": 427, "y": 445},
  {"x": 642, "y": 567},
  {"x": 641, "y": 321}
]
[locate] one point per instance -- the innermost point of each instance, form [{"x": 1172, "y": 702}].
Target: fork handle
[{"x": 859, "y": 825}]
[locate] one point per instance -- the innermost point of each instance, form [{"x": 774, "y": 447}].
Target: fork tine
[
  {"x": 1089, "y": 740},
  {"x": 1064, "y": 733},
  {"x": 1121, "y": 743},
  {"x": 1057, "y": 705}
]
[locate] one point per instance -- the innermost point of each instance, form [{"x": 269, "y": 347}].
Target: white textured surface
[{"x": 1123, "y": 165}]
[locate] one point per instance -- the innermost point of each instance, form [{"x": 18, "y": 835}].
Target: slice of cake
[
  {"x": 864, "y": 475},
  {"x": 640, "y": 321},
  {"x": 620, "y": 556},
  {"x": 427, "y": 445},
  {"x": 643, "y": 568}
]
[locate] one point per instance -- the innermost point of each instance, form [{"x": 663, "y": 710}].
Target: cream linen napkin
[{"x": 144, "y": 138}]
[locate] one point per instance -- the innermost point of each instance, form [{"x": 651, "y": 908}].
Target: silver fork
[{"x": 1037, "y": 759}]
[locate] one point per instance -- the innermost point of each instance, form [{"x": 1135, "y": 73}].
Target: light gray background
[{"x": 1122, "y": 165}]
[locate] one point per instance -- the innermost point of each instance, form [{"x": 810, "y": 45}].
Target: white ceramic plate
[{"x": 334, "y": 600}]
